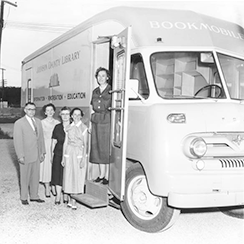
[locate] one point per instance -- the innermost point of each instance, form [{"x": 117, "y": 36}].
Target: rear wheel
[{"x": 143, "y": 210}]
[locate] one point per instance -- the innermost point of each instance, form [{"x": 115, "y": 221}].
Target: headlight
[{"x": 198, "y": 147}]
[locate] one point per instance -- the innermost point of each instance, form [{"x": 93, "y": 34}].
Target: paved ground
[{"x": 47, "y": 223}]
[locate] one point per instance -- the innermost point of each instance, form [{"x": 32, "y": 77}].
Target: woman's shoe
[
  {"x": 65, "y": 201},
  {"x": 69, "y": 205},
  {"x": 105, "y": 181},
  {"x": 57, "y": 202},
  {"x": 98, "y": 179},
  {"x": 74, "y": 208},
  {"x": 47, "y": 196}
]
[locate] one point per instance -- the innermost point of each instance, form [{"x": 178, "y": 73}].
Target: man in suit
[{"x": 30, "y": 149}]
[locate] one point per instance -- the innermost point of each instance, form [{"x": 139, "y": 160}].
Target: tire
[
  {"x": 143, "y": 210},
  {"x": 236, "y": 212}
]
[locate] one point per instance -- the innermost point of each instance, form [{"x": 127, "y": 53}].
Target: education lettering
[{"x": 78, "y": 95}]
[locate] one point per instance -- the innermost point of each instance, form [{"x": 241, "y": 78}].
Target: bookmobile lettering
[
  {"x": 68, "y": 96},
  {"x": 58, "y": 62}
]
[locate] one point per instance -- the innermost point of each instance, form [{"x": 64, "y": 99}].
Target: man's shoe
[
  {"x": 24, "y": 202},
  {"x": 37, "y": 200}
]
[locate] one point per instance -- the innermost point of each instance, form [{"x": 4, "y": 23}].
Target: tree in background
[{"x": 11, "y": 95}]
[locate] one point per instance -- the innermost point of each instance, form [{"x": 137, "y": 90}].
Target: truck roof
[{"x": 164, "y": 27}]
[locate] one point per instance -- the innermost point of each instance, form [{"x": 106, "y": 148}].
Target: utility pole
[
  {"x": 2, "y": 21},
  {"x": 2, "y": 84},
  {"x": 1, "y": 29},
  {"x": 1, "y": 18}
]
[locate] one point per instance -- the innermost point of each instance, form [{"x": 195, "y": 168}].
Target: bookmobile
[{"x": 177, "y": 114}]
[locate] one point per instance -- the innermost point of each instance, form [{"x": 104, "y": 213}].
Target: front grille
[{"x": 232, "y": 163}]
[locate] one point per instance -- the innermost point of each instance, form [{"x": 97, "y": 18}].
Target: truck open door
[
  {"x": 96, "y": 195},
  {"x": 119, "y": 112}
]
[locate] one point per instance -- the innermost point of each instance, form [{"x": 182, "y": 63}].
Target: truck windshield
[
  {"x": 233, "y": 70},
  {"x": 181, "y": 75}
]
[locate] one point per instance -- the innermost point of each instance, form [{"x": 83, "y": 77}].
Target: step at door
[{"x": 95, "y": 196}]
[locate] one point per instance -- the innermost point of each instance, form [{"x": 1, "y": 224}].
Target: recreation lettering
[
  {"x": 37, "y": 99},
  {"x": 195, "y": 26}
]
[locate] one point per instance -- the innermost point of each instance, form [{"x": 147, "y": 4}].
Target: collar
[
  {"x": 77, "y": 125},
  {"x": 29, "y": 119}
]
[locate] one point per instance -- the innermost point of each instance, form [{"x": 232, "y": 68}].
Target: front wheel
[{"x": 143, "y": 210}]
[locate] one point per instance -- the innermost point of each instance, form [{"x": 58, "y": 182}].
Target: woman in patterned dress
[
  {"x": 48, "y": 125},
  {"x": 74, "y": 157}
]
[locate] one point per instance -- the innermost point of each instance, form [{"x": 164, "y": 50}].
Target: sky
[{"x": 34, "y": 23}]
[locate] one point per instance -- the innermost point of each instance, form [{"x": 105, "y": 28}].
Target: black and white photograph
[{"x": 121, "y": 122}]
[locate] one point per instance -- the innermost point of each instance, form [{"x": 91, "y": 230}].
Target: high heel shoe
[
  {"x": 98, "y": 179},
  {"x": 69, "y": 205},
  {"x": 57, "y": 202},
  {"x": 65, "y": 201},
  {"x": 105, "y": 181}
]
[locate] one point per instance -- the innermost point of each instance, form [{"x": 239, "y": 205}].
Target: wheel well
[
  {"x": 131, "y": 162},
  {"x": 135, "y": 163}
]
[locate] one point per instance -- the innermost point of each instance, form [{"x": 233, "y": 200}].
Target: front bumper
[{"x": 205, "y": 200}]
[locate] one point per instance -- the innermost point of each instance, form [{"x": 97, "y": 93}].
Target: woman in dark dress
[
  {"x": 100, "y": 133},
  {"x": 58, "y": 138}
]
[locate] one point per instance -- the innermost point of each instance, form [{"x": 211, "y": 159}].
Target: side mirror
[
  {"x": 132, "y": 90},
  {"x": 207, "y": 58}
]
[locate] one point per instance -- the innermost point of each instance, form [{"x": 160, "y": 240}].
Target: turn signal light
[{"x": 176, "y": 118}]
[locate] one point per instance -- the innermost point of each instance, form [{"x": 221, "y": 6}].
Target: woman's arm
[
  {"x": 53, "y": 144},
  {"x": 84, "y": 148},
  {"x": 64, "y": 149}
]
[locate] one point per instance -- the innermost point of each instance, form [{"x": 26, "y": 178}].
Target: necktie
[{"x": 34, "y": 124}]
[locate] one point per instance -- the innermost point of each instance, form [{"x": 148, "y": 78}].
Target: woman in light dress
[
  {"x": 48, "y": 125},
  {"x": 74, "y": 157}
]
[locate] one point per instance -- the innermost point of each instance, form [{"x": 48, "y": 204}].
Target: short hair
[
  {"x": 81, "y": 112},
  {"x": 65, "y": 108},
  {"x": 48, "y": 105},
  {"x": 107, "y": 72},
  {"x": 30, "y": 103}
]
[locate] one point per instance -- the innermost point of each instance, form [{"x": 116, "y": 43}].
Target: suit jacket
[{"x": 26, "y": 143}]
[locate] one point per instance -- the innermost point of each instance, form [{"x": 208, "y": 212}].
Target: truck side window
[{"x": 138, "y": 72}]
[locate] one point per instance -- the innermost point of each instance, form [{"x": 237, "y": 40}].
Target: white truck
[{"x": 177, "y": 126}]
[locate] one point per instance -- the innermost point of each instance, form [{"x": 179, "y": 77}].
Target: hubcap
[{"x": 142, "y": 203}]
